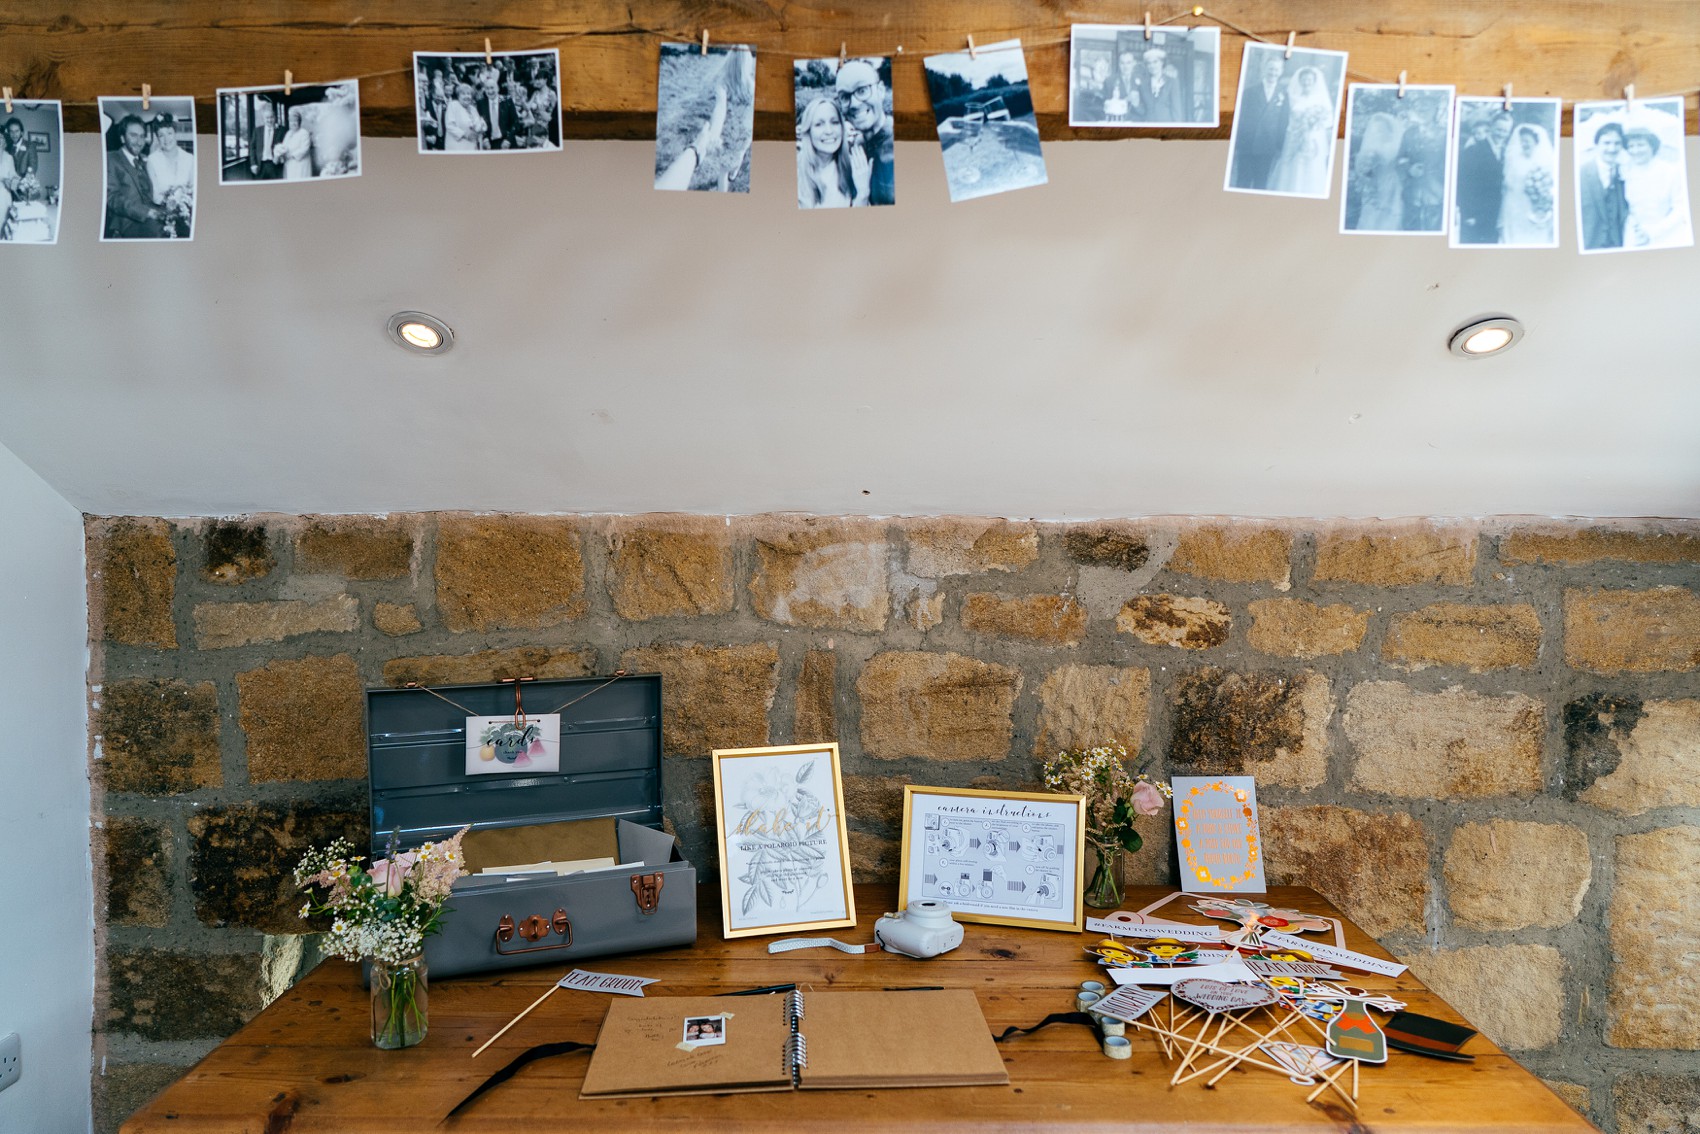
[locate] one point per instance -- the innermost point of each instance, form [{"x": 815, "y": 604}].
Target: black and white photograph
[
  {"x": 1504, "y": 187},
  {"x": 32, "y": 165},
  {"x": 1398, "y": 154},
  {"x": 1631, "y": 180},
  {"x": 845, "y": 151},
  {"x": 1122, "y": 76},
  {"x": 1285, "y": 118},
  {"x": 310, "y": 132},
  {"x": 985, "y": 120},
  {"x": 506, "y": 102},
  {"x": 149, "y": 163},
  {"x": 705, "y": 117}
]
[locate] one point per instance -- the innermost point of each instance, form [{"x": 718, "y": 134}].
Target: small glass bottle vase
[
  {"x": 400, "y": 999},
  {"x": 1104, "y": 887}
]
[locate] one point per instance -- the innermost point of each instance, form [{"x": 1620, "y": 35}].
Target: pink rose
[
  {"x": 1147, "y": 800},
  {"x": 391, "y": 874}
]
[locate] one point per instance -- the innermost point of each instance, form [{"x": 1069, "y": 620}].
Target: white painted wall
[
  {"x": 1127, "y": 340},
  {"x": 46, "y": 894}
]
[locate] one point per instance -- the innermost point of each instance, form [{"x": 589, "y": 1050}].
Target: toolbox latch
[
  {"x": 646, "y": 888},
  {"x": 534, "y": 928}
]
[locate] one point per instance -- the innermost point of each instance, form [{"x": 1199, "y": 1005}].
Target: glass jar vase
[
  {"x": 400, "y": 1000},
  {"x": 1104, "y": 887}
]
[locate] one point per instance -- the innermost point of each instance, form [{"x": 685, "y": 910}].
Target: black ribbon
[
  {"x": 1080, "y": 1018},
  {"x": 531, "y": 1055}
]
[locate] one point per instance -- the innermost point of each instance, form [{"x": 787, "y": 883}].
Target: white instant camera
[{"x": 925, "y": 929}]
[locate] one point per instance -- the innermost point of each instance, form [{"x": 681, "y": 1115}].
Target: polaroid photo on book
[
  {"x": 984, "y": 114},
  {"x": 703, "y": 1031},
  {"x": 1285, "y": 119},
  {"x": 506, "y": 102},
  {"x": 309, "y": 132},
  {"x": 1120, "y": 78},
  {"x": 1503, "y": 192},
  {"x": 1631, "y": 176},
  {"x": 845, "y": 152},
  {"x": 705, "y": 114},
  {"x": 149, "y": 168},
  {"x": 32, "y": 171},
  {"x": 1398, "y": 156}
]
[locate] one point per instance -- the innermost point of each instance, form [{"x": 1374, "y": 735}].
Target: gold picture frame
[
  {"x": 784, "y": 847},
  {"x": 996, "y": 857}
]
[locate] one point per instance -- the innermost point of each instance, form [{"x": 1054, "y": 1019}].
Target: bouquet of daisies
[{"x": 383, "y": 913}]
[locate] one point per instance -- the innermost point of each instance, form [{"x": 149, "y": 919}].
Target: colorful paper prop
[
  {"x": 1256, "y": 917},
  {"x": 1305, "y": 1062},
  {"x": 1353, "y": 1034},
  {"x": 1425, "y": 1035},
  {"x": 1213, "y": 996}
]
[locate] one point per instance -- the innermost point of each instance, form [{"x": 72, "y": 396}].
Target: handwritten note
[
  {"x": 1216, "y": 832},
  {"x": 606, "y": 982}
]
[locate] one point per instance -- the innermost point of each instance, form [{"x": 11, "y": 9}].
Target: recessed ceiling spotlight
[
  {"x": 420, "y": 333},
  {"x": 1494, "y": 334}
]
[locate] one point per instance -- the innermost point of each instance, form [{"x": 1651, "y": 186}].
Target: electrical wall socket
[{"x": 11, "y": 1060}]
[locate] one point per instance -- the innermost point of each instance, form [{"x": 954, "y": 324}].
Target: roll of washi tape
[
  {"x": 1092, "y": 986},
  {"x": 1111, "y": 1027},
  {"x": 1118, "y": 1047},
  {"x": 1084, "y": 1000}
]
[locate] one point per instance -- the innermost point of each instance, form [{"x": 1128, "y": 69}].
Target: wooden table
[{"x": 307, "y": 1064}]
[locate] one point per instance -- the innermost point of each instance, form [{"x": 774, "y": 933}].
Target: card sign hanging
[
  {"x": 1217, "y": 835},
  {"x": 513, "y": 745}
]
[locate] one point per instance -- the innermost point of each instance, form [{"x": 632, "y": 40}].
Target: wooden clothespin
[
  {"x": 705, "y": 41},
  {"x": 1401, "y": 84},
  {"x": 1290, "y": 37},
  {"x": 1629, "y": 94},
  {"x": 1148, "y": 25},
  {"x": 842, "y": 54},
  {"x": 147, "y": 96},
  {"x": 288, "y": 82},
  {"x": 6, "y": 93},
  {"x": 1507, "y": 105},
  {"x": 487, "y": 52},
  {"x": 972, "y": 52}
]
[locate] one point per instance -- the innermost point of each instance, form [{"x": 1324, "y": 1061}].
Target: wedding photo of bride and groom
[{"x": 149, "y": 168}]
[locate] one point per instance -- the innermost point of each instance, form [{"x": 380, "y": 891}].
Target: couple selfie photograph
[{"x": 844, "y": 133}]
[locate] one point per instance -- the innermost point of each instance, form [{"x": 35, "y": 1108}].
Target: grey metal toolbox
[{"x": 604, "y": 800}]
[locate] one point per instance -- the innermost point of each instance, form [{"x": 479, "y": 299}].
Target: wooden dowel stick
[{"x": 516, "y": 1020}]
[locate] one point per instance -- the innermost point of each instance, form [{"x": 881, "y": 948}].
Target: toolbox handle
[{"x": 533, "y": 928}]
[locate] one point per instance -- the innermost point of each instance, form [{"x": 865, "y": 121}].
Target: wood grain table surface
[{"x": 306, "y": 1063}]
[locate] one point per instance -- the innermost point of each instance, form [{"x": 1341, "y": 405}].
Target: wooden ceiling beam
[{"x": 76, "y": 52}]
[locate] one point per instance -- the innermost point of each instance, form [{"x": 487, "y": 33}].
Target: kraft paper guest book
[{"x": 794, "y": 1041}]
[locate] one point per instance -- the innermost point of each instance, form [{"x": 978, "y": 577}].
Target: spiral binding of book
[
  {"x": 796, "y": 1056},
  {"x": 796, "y": 1006}
]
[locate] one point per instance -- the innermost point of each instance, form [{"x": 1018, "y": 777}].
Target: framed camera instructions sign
[
  {"x": 1000, "y": 857},
  {"x": 784, "y": 849}
]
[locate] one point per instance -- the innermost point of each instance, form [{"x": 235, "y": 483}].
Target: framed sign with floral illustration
[{"x": 784, "y": 848}]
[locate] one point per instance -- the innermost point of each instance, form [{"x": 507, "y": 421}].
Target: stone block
[
  {"x": 715, "y": 697},
  {"x": 875, "y": 801},
  {"x": 955, "y": 546},
  {"x": 305, "y": 720},
  {"x": 873, "y": 859},
  {"x": 221, "y": 625},
  {"x": 1236, "y": 555},
  {"x": 936, "y": 706},
  {"x": 830, "y": 574},
  {"x": 1389, "y": 556},
  {"x": 1118, "y": 546},
  {"x": 242, "y": 858},
  {"x": 1591, "y": 545},
  {"x": 1052, "y": 620},
  {"x": 235, "y": 551},
  {"x": 1373, "y": 866},
  {"x": 160, "y": 994},
  {"x": 1513, "y": 993},
  {"x": 486, "y": 666},
  {"x": 121, "y": 1089},
  {"x": 1191, "y": 623},
  {"x": 138, "y": 882},
  {"x": 1266, "y": 725},
  {"x": 1446, "y": 745},
  {"x": 1294, "y": 628},
  {"x": 1618, "y": 631},
  {"x": 133, "y": 579},
  {"x": 1505, "y": 875},
  {"x": 1630, "y": 756},
  {"x": 508, "y": 572},
  {"x": 396, "y": 619},
  {"x": 1655, "y": 941},
  {"x": 1476, "y": 638},
  {"x": 358, "y": 547},
  {"x": 159, "y": 737},
  {"x": 665, "y": 566},
  {"x": 1650, "y": 1103},
  {"x": 1081, "y": 706},
  {"x": 923, "y": 611},
  {"x": 816, "y": 718}
]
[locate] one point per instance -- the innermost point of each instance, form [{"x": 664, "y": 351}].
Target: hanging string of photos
[{"x": 1419, "y": 159}]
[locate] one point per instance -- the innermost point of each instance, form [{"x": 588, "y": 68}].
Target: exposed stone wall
[{"x": 1481, "y": 740}]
